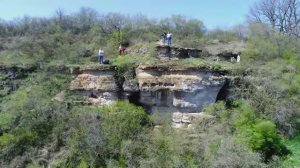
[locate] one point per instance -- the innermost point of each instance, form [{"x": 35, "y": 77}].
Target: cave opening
[
  {"x": 134, "y": 98},
  {"x": 224, "y": 92}
]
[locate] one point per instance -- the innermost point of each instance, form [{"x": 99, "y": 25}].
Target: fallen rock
[{"x": 59, "y": 97}]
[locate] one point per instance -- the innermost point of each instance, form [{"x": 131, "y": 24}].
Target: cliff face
[
  {"x": 97, "y": 84},
  {"x": 11, "y": 75},
  {"x": 182, "y": 90},
  {"x": 93, "y": 79},
  {"x": 178, "y": 90},
  {"x": 156, "y": 88}
]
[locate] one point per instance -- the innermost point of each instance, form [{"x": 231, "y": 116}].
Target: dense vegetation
[{"x": 42, "y": 123}]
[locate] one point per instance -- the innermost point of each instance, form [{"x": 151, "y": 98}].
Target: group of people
[
  {"x": 101, "y": 53},
  {"x": 167, "y": 38},
  {"x": 122, "y": 49}
]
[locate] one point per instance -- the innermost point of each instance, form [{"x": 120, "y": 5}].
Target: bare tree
[
  {"x": 282, "y": 15},
  {"x": 112, "y": 22}
]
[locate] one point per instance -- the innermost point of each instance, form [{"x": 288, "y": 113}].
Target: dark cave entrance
[
  {"x": 224, "y": 92},
  {"x": 134, "y": 98}
]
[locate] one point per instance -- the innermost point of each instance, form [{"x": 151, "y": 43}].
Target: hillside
[{"x": 189, "y": 105}]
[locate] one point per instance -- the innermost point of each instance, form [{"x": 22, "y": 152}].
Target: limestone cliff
[
  {"x": 180, "y": 89},
  {"x": 96, "y": 83},
  {"x": 157, "y": 88}
]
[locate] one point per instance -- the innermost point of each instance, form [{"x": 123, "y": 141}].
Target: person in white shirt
[
  {"x": 238, "y": 58},
  {"x": 101, "y": 56},
  {"x": 169, "y": 39}
]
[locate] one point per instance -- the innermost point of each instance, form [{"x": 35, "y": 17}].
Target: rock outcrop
[
  {"x": 91, "y": 79},
  {"x": 157, "y": 88},
  {"x": 187, "y": 120},
  {"x": 98, "y": 84},
  {"x": 165, "y": 52},
  {"x": 218, "y": 51},
  {"x": 12, "y": 74},
  {"x": 178, "y": 90}
]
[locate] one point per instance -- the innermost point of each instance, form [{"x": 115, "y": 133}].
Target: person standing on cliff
[
  {"x": 169, "y": 39},
  {"x": 164, "y": 38},
  {"x": 122, "y": 49},
  {"x": 101, "y": 56}
]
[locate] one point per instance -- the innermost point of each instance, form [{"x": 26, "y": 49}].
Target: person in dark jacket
[{"x": 164, "y": 38}]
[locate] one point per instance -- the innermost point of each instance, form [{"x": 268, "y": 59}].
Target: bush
[
  {"x": 123, "y": 121},
  {"x": 218, "y": 110},
  {"x": 16, "y": 143},
  {"x": 111, "y": 135},
  {"x": 125, "y": 68},
  {"x": 261, "y": 136},
  {"x": 225, "y": 152}
]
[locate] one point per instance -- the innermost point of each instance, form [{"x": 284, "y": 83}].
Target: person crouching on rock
[{"x": 101, "y": 56}]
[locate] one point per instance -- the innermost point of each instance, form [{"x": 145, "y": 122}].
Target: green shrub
[
  {"x": 262, "y": 137},
  {"x": 124, "y": 67},
  {"x": 260, "y": 49},
  {"x": 123, "y": 121},
  {"x": 16, "y": 143},
  {"x": 224, "y": 151},
  {"x": 265, "y": 139},
  {"x": 218, "y": 110},
  {"x": 5, "y": 120}
]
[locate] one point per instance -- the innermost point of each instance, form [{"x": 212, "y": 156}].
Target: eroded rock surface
[
  {"x": 187, "y": 120},
  {"x": 98, "y": 84},
  {"x": 95, "y": 80},
  {"x": 156, "y": 88},
  {"x": 178, "y": 90},
  {"x": 165, "y": 52},
  {"x": 216, "y": 51},
  {"x": 219, "y": 51}
]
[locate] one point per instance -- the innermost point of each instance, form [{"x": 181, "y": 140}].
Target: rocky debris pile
[{"x": 188, "y": 120}]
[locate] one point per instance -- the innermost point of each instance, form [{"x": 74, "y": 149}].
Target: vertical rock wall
[{"x": 178, "y": 90}]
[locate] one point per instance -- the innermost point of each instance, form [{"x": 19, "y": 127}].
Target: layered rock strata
[
  {"x": 98, "y": 84},
  {"x": 156, "y": 88},
  {"x": 184, "y": 91}
]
